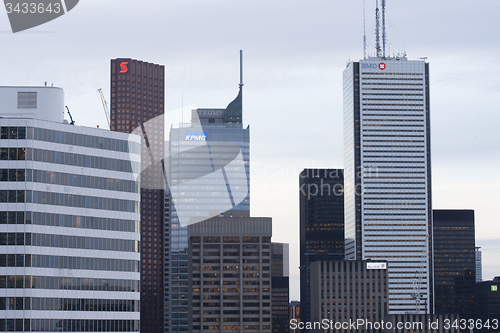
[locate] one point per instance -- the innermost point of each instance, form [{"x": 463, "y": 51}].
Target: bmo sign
[{"x": 380, "y": 66}]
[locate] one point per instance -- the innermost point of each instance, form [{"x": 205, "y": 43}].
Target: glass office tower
[
  {"x": 208, "y": 174},
  {"x": 388, "y": 211},
  {"x": 454, "y": 262}
]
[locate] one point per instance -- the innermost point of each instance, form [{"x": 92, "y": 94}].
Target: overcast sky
[{"x": 294, "y": 55}]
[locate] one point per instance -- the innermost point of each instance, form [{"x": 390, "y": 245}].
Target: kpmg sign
[
  {"x": 196, "y": 136},
  {"x": 376, "y": 265}
]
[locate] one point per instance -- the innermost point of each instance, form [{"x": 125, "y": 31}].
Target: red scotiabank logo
[
  {"x": 124, "y": 67},
  {"x": 381, "y": 66}
]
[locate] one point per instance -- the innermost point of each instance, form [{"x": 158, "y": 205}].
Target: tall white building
[
  {"x": 69, "y": 220},
  {"x": 388, "y": 210}
]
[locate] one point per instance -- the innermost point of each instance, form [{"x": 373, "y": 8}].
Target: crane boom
[
  {"x": 72, "y": 121},
  {"x": 105, "y": 106}
]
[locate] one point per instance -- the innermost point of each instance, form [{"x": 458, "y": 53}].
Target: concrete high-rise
[
  {"x": 321, "y": 195},
  {"x": 69, "y": 220},
  {"x": 345, "y": 289},
  {"x": 387, "y": 156},
  {"x": 230, "y": 274},
  {"x": 137, "y": 105}
]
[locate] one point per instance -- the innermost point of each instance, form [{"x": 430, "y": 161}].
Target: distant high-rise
[
  {"x": 137, "y": 97},
  {"x": 454, "y": 262},
  {"x": 479, "y": 265},
  {"x": 321, "y": 195},
  {"x": 280, "y": 287},
  {"x": 388, "y": 211}
]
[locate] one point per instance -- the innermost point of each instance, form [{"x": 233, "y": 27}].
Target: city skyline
[{"x": 293, "y": 85}]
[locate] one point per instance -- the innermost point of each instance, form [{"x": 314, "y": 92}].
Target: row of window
[
  {"x": 68, "y": 304},
  {"x": 69, "y": 138},
  {"x": 65, "y": 262},
  {"x": 68, "y": 325},
  {"x": 74, "y": 200},
  {"x": 69, "y": 221},
  {"x": 88, "y": 161},
  {"x": 68, "y": 179},
  {"x": 72, "y": 242},
  {"x": 67, "y": 283}
]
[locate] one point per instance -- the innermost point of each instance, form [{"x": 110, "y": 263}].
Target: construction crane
[
  {"x": 105, "y": 106},
  {"x": 72, "y": 121}
]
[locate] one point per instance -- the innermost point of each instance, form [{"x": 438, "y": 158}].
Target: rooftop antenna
[
  {"x": 383, "y": 28},
  {"x": 377, "y": 32},
  {"x": 241, "y": 69},
  {"x": 364, "y": 32}
]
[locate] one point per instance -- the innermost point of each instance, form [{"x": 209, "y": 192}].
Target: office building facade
[
  {"x": 321, "y": 195},
  {"x": 346, "y": 290},
  {"x": 454, "y": 262},
  {"x": 280, "y": 287},
  {"x": 230, "y": 274},
  {"x": 69, "y": 220},
  {"x": 388, "y": 210},
  {"x": 137, "y": 105}
]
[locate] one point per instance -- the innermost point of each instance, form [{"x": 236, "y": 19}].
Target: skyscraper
[
  {"x": 137, "y": 104},
  {"x": 321, "y": 195},
  {"x": 388, "y": 210},
  {"x": 454, "y": 262},
  {"x": 208, "y": 172},
  {"x": 69, "y": 220}
]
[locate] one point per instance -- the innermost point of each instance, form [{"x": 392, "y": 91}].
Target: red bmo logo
[
  {"x": 123, "y": 67},
  {"x": 381, "y": 66}
]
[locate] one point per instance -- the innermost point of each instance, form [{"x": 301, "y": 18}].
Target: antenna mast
[
  {"x": 241, "y": 68},
  {"x": 383, "y": 28},
  {"x": 364, "y": 32},
  {"x": 377, "y": 32}
]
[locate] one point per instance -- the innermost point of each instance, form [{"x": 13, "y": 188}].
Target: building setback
[
  {"x": 280, "y": 287},
  {"x": 346, "y": 290},
  {"x": 69, "y": 220},
  {"x": 454, "y": 262},
  {"x": 230, "y": 274},
  {"x": 137, "y": 97},
  {"x": 388, "y": 211},
  {"x": 321, "y": 195}
]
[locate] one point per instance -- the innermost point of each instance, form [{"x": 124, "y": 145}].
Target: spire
[{"x": 234, "y": 111}]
